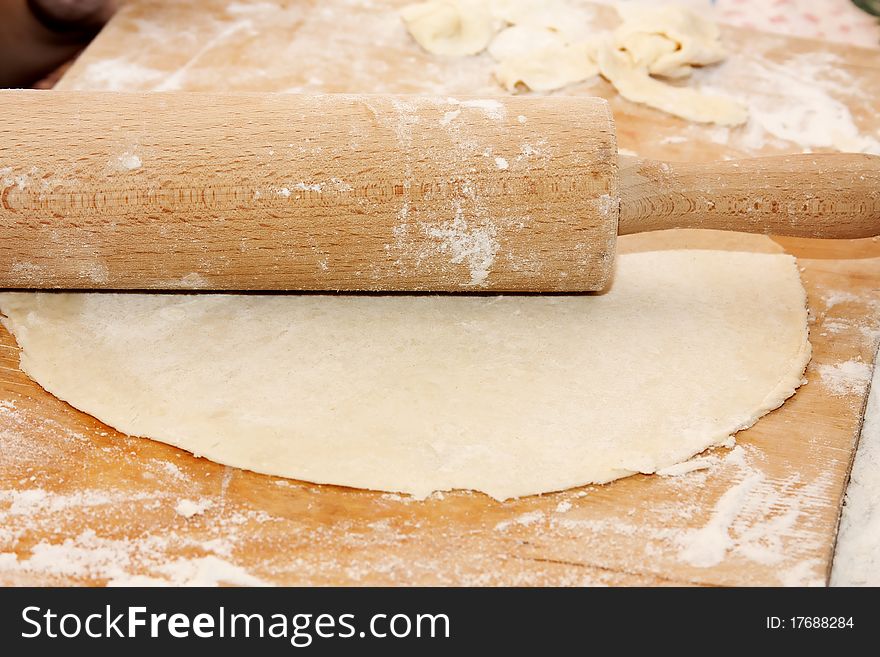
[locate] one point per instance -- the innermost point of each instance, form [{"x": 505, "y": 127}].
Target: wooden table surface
[{"x": 83, "y": 504}]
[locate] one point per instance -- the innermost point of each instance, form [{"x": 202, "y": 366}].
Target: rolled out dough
[{"x": 506, "y": 395}]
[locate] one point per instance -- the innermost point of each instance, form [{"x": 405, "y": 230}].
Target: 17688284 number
[{"x": 810, "y": 623}]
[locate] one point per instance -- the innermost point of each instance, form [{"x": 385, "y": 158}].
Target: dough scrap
[
  {"x": 549, "y": 68},
  {"x": 557, "y": 16},
  {"x": 669, "y": 40},
  {"x": 450, "y": 27},
  {"x": 541, "y": 58},
  {"x": 507, "y": 395},
  {"x": 544, "y": 49},
  {"x": 637, "y": 85},
  {"x": 522, "y": 41}
]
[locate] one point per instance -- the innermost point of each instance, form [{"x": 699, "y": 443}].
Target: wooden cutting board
[{"x": 83, "y": 504}]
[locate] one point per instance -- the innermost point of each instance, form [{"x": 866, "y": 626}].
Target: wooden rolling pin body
[
  {"x": 305, "y": 192},
  {"x": 359, "y": 192}
]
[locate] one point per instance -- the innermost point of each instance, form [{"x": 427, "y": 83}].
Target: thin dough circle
[{"x": 507, "y": 395}]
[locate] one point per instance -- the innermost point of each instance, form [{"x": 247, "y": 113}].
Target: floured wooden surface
[
  {"x": 799, "y": 91},
  {"x": 80, "y": 503}
]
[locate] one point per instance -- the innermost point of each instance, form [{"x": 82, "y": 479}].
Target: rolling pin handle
[{"x": 820, "y": 195}]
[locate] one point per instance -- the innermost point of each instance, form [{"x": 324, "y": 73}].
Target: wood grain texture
[
  {"x": 306, "y": 192},
  {"x": 369, "y": 193},
  {"x": 116, "y": 496},
  {"x": 819, "y": 195}
]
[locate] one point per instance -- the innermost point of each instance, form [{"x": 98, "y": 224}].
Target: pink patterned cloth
[{"x": 833, "y": 20}]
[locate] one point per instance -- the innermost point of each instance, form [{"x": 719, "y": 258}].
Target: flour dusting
[
  {"x": 694, "y": 464},
  {"x": 126, "y": 162},
  {"x": 847, "y": 378},
  {"x": 793, "y": 101},
  {"x": 492, "y": 108},
  {"x": 474, "y": 245},
  {"x": 754, "y": 519},
  {"x": 189, "y": 508},
  {"x": 708, "y": 545},
  {"x": 118, "y": 74},
  {"x": 525, "y": 520},
  {"x": 309, "y": 187},
  {"x": 857, "y": 560},
  {"x": 203, "y": 571}
]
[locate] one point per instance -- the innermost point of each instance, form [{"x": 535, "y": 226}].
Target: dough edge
[{"x": 789, "y": 381}]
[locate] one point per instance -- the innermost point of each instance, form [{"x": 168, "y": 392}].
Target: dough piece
[
  {"x": 549, "y": 68},
  {"x": 566, "y": 18},
  {"x": 507, "y": 395},
  {"x": 637, "y": 85},
  {"x": 669, "y": 40},
  {"x": 541, "y": 58},
  {"x": 666, "y": 41},
  {"x": 522, "y": 40},
  {"x": 450, "y": 27}
]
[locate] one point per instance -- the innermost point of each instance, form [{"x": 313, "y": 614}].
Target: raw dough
[
  {"x": 523, "y": 40},
  {"x": 544, "y": 48},
  {"x": 506, "y": 395},
  {"x": 636, "y": 85},
  {"x": 450, "y": 27},
  {"x": 666, "y": 41},
  {"x": 566, "y": 18},
  {"x": 549, "y": 68},
  {"x": 669, "y": 40},
  {"x": 541, "y": 58}
]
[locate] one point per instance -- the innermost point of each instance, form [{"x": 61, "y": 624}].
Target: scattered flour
[
  {"x": 838, "y": 297},
  {"x": 525, "y": 520},
  {"x": 119, "y": 74},
  {"x": 846, "y": 378},
  {"x": 189, "y": 508},
  {"x": 57, "y": 532},
  {"x": 698, "y": 463},
  {"x": 172, "y": 470},
  {"x": 492, "y": 108},
  {"x": 857, "y": 559},
  {"x": 708, "y": 545},
  {"x": 340, "y": 185},
  {"x": 203, "y": 571},
  {"x": 802, "y": 574},
  {"x": 396, "y": 497},
  {"x": 450, "y": 116},
  {"x": 795, "y": 101},
  {"x": 193, "y": 281},
  {"x": 309, "y": 187},
  {"x": 474, "y": 245},
  {"x": 757, "y": 519},
  {"x": 563, "y": 507},
  {"x": 501, "y": 163},
  {"x": 126, "y": 162}
]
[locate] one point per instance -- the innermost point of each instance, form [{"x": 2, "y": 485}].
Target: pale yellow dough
[
  {"x": 638, "y": 86},
  {"x": 450, "y": 27},
  {"x": 522, "y": 41},
  {"x": 507, "y": 395},
  {"x": 544, "y": 47},
  {"x": 548, "y": 68},
  {"x": 666, "y": 41}
]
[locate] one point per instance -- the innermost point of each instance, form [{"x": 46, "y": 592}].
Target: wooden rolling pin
[{"x": 359, "y": 192}]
